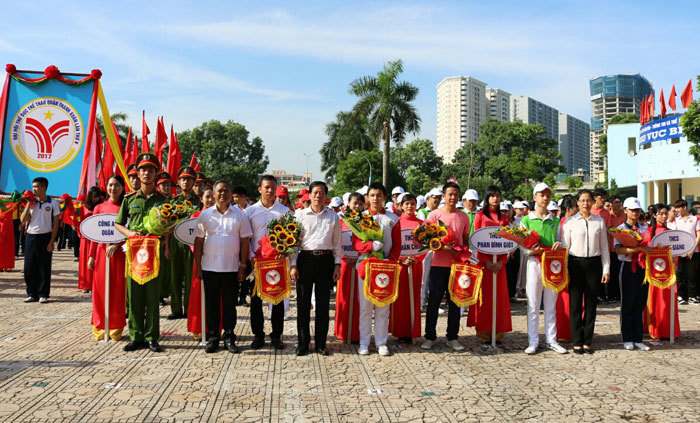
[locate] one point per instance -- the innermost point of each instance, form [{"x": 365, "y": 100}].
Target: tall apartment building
[
  {"x": 574, "y": 141},
  {"x": 531, "y": 111},
  {"x": 612, "y": 95},
  {"x": 461, "y": 108},
  {"x": 498, "y": 104}
]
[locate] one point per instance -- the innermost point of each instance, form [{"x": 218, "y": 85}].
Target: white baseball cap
[
  {"x": 389, "y": 205},
  {"x": 336, "y": 202},
  {"x": 459, "y": 205},
  {"x": 397, "y": 190},
  {"x": 553, "y": 206},
  {"x": 363, "y": 190},
  {"x": 420, "y": 201},
  {"x": 435, "y": 192},
  {"x": 526, "y": 204},
  {"x": 346, "y": 198},
  {"x": 518, "y": 205},
  {"x": 504, "y": 206},
  {"x": 632, "y": 203},
  {"x": 541, "y": 187},
  {"x": 471, "y": 194},
  {"x": 508, "y": 203},
  {"x": 399, "y": 199}
]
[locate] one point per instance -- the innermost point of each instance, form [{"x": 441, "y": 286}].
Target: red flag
[
  {"x": 174, "y": 156},
  {"x": 193, "y": 160},
  {"x": 127, "y": 152},
  {"x": 687, "y": 95},
  {"x": 145, "y": 146},
  {"x": 161, "y": 141},
  {"x": 663, "y": 103},
  {"x": 651, "y": 106},
  {"x": 643, "y": 111},
  {"x": 672, "y": 98},
  {"x": 135, "y": 150}
]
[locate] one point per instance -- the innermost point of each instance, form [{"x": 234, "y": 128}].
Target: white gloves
[{"x": 377, "y": 245}]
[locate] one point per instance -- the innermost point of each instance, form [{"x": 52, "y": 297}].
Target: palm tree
[
  {"x": 387, "y": 104},
  {"x": 345, "y": 134},
  {"x": 119, "y": 120}
]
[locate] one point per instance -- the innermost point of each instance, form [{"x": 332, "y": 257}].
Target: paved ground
[{"x": 52, "y": 370}]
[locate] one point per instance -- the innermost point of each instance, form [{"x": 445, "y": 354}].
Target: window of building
[
  {"x": 675, "y": 140},
  {"x": 632, "y": 146}
]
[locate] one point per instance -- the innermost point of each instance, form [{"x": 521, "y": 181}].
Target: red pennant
[
  {"x": 145, "y": 146},
  {"x": 687, "y": 95},
  {"x": 672, "y": 98},
  {"x": 161, "y": 141},
  {"x": 174, "y": 155}
]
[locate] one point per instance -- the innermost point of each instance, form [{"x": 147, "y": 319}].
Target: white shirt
[
  {"x": 587, "y": 238},
  {"x": 319, "y": 231},
  {"x": 42, "y": 214},
  {"x": 222, "y": 235},
  {"x": 690, "y": 224},
  {"x": 259, "y": 216}
]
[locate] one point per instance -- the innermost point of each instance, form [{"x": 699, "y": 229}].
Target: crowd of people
[{"x": 231, "y": 225}]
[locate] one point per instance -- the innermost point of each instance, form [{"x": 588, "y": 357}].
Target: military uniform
[{"x": 164, "y": 262}]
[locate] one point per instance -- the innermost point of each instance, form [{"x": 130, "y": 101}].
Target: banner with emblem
[
  {"x": 660, "y": 271},
  {"x": 555, "y": 272},
  {"x": 464, "y": 284},
  {"x": 381, "y": 281},
  {"x": 272, "y": 282},
  {"x": 142, "y": 258}
]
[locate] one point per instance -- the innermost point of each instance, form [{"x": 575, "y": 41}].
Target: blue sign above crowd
[{"x": 662, "y": 129}]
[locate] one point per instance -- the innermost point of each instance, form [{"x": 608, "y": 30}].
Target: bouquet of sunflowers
[
  {"x": 365, "y": 228},
  {"x": 165, "y": 216},
  {"x": 431, "y": 236},
  {"x": 521, "y": 236},
  {"x": 627, "y": 238},
  {"x": 283, "y": 234}
]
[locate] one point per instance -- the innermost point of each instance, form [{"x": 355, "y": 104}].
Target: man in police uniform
[
  {"x": 181, "y": 259},
  {"x": 200, "y": 183},
  {"x": 144, "y": 327},
  {"x": 133, "y": 174},
  {"x": 164, "y": 185}
]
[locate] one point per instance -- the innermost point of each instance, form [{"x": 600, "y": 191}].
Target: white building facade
[{"x": 461, "y": 109}]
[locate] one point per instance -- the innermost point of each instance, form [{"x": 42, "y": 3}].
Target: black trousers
[
  {"x": 16, "y": 224},
  {"x": 37, "y": 265},
  {"x": 315, "y": 275},
  {"x": 76, "y": 243},
  {"x": 244, "y": 287},
  {"x": 437, "y": 281},
  {"x": 64, "y": 234},
  {"x": 633, "y": 295},
  {"x": 584, "y": 283},
  {"x": 512, "y": 268},
  {"x": 687, "y": 275},
  {"x": 257, "y": 320},
  {"x": 219, "y": 299}
]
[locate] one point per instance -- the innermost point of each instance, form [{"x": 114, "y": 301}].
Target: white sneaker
[
  {"x": 427, "y": 345},
  {"x": 43, "y": 300},
  {"x": 441, "y": 310},
  {"x": 628, "y": 346},
  {"x": 642, "y": 346},
  {"x": 456, "y": 346},
  {"x": 554, "y": 346},
  {"x": 531, "y": 349},
  {"x": 383, "y": 350},
  {"x": 29, "y": 300},
  {"x": 364, "y": 350}
]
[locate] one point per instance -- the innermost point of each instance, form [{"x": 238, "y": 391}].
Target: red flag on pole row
[
  {"x": 651, "y": 106},
  {"x": 174, "y": 156},
  {"x": 127, "y": 153},
  {"x": 687, "y": 95},
  {"x": 135, "y": 149},
  {"x": 663, "y": 104},
  {"x": 145, "y": 146},
  {"x": 672, "y": 98},
  {"x": 643, "y": 110},
  {"x": 193, "y": 160},
  {"x": 161, "y": 141}
]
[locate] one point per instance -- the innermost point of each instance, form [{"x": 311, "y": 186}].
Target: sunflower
[
  {"x": 173, "y": 218},
  {"x": 290, "y": 241},
  {"x": 281, "y": 236},
  {"x": 442, "y": 232},
  {"x": 273, "y": 245},
  {"x": 354, "y": 213},
  {"x": 272, "y": 238},
  {"x": 280, "y": 248},
  {"x": 188, "y": 203},
  {"x": 278, "y": 228},
  {"x": 180, "y": 208},
  {"x": 435, "y": 244},
  {"x": 421, "y": 236},
  {"x": 165, "y": 213},
  {"x": 291, "y": 227},
  {"x": 167, "y": 206},
  {"x": 163, "y": 221}
]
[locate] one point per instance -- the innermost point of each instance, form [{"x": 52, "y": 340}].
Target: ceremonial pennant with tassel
[
  {"x": 143, "y": 258},
  {"x": 555, "y": 272},
  {"x": 272, "y": 283},
  {"x": 464, "y": 284},
  {"x": 660, "y": 271},
  {"x": 381, "y": 278}
]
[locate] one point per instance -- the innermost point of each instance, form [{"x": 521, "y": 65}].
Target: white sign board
[
  {"x": 408, "y": 247},
  {"x": 681, "y": 242},
  {"x": 100, "y": 228},
  {"x": 184, "y": 231},
  {"x": 483, "y": 242},
  {"x": 348, "y": 251}
]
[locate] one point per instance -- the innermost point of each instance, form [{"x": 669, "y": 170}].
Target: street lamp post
[{"x": 355, "y": 153}]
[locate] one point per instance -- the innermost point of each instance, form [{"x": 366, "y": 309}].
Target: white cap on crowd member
[
  {"x": 364, "y": 190},
  {"x": 632, "y": 203},
  {"x": 389, "y": 205},
  {"x": 435, "y": 192},
  {"x": 504, "y": 206},
  {"x": 553, "y": 206},
  {"x": 336, "y": 202},
  {"x": 346, "y": 198},
  {"x": 470, "y": 194},
  {"x": 420, "y": 201},
  {"x": 541, "y": 187},
  {"x": 518, "y": 205},
  {"x": 526, "y": 204},
  {"x": 560, "y": 201},
  {"x": 397, "y": 190},
  {"x": 460, "y": 205},
  {"x": 442, "y": 202},
  {"x": 508, "y": 203},
  {"x": 399, "y": 199}
]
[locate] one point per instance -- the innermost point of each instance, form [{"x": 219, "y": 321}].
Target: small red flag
[
  {"x": 145, "y": 146},
  {"x": 127, "y": 150},
  {"x": 135, "y": 150},
  {"x": 193, "y": 160},
  {"x": 672, "y": 98},
  {"x": 687, "y": 95},
  {"x": 651, "y": 106},
  {"x": 643, "y": 111},
  {"x": 174, "y": 155},
  {"x": 663, "y": 104},
  {"x": 161, "y": 141}
]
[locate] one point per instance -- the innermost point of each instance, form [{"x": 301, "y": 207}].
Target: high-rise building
[
  {"x": 531, "y": 111},
  {"x": 574, "y": 141},
  {"x": 461, "y": 108},
  {"x": 612, "y": 95},
  {"x": 498, "y": 104}
]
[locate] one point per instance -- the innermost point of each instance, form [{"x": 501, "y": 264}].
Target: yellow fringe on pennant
[
  {"x": 372, "y": 299},
  {"x": 257, "y": 290},
  {"x": 141, "y": 280},
  {"x": 661, "y": 284},
  {"x": 477, "y": 289},
  {"x": 565, "y": 268}
]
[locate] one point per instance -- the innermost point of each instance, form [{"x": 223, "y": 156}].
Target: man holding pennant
[
  {"x": 142, "y": 294},
  {"x": 316, "y": 267}
]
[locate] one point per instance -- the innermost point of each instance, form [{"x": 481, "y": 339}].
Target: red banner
[
  {"x": 381, "y": 281},
  {"x": 272, "y": 283},
  {"x": 660, "y": 270},
  {"x": 555, "y": 272},
  {"x": 464, "y": 285},
  {"x": 143, "y": 258}
]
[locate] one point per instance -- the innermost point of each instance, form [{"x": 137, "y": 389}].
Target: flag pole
[{"x": 107, "y": 260}]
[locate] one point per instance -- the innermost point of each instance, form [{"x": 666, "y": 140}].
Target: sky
[{"x": 283, "y": 68}]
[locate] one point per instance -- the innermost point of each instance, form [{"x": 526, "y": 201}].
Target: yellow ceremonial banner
[
  {"x": 555, "y": 272},
  {"x": 381, "y": 281},
  {"x": 660, "y": 270},
  {"x": 143, "y": 258},
  {"x": 464, "y": 284},
  {"x": 272, "y": 282}
]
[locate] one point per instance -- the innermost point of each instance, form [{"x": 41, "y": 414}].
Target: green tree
[
  {"x": 226, "y": 152},
  {"x": 614, "y": 189},
  {"x": 690, "y": 122},
  {"x": 573, "y": 183},
  {"x": 353, "y": 172},
  {"x": 478, "y": 183},
  {"x": 387, "y": 104},
  {"x": 347, "y": 133},
  {"x": 119, "y": 120},
  {"x": 623, "y": 118},
  {"x": 418, "y": 154},
  {"x": 550, "y": 180},
  {"x": 603, "y": 145}
]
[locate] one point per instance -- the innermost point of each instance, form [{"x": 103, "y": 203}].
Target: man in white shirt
[
  {"x": 259, "y": 215},
  {"x": 222, "y": 233},
  {"x": 42, "y": 216},
  {"x": 686, "y": 271},
  {"x": 316, "y": 266}
]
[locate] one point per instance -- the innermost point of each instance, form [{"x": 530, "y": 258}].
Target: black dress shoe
[
  {"x": 134, "y": 345},
  {"x": 175, "y": 316},
  {"x": 277, "y": 343},
  {"x": 588, "y": 350},
  {"x": 301, "y": 351},
  {"x": 155, "y": 346},
  {"x": 578, "y": 350},
  {"x": 231, "y": 347},
  {"x": 258, "y": 342},
  {"x": 212, "y": 347},
  {"x": 323, "y": 352}
]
